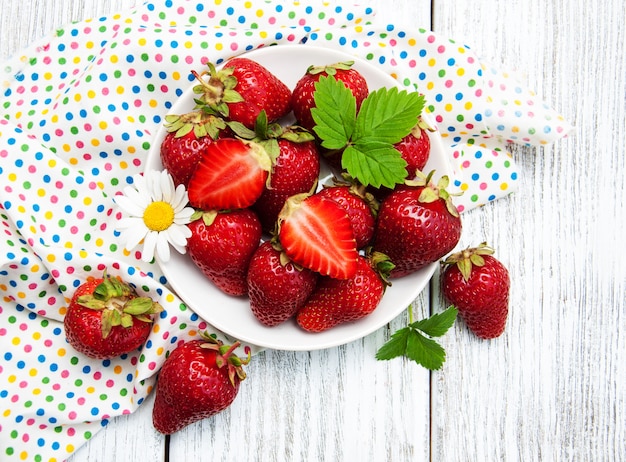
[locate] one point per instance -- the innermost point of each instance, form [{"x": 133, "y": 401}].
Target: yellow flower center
[{"x": 158, "y": 216}]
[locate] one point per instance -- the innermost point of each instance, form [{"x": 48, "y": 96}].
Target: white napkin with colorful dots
[{"x": 78, "y": 113}]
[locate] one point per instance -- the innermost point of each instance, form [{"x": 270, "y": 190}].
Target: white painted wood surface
[{"x": 553, "y": 386}]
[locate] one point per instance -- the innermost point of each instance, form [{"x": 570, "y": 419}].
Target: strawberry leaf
[
  {"x": 374, "y": 163},
  {"x": 388, "y": 115},
  {"x": 334, "y": 113},
  {"x": 367, "y": 138},
  {"x": 438, "y": 324},
  {"x": 411, "y": 342}
]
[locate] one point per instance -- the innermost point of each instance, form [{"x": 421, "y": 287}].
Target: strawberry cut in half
[
  {"x": 316, "y": 233},
  {"x": 231, "y": 175}
]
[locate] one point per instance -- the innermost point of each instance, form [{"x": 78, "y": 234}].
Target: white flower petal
[
  {"x": 180, "y": 199},
  {"x": 180, "y": 249},
  {"x": 163, "y": 247},
  {"x": 140, "y": 184},
  {"x": 128, "y": 222},
  {"x": 130, "y": 205},
  {"x": 133, "y": 236},
  {"x": 167, "y": 187},
  {"x": 149, "y": 245},
  {"x": 184, "y": 216},
  {"x": 138, "y": 194},
  {"x": 155, "y": 185},
  {"x": 177, "y": 235}
]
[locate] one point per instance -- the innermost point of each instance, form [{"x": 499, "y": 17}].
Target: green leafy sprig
[
  {"x": 366, "y": 138},
  {"x": 415, "y": 341}
]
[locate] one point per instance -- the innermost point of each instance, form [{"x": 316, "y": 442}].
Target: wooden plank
[
  {"x": 335, "y": 404},
  {"x": 338, "y": 404},
  {"x": 551, "y": 388}
]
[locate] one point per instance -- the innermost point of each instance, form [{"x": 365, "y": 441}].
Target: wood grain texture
[{"x": 553, "y": 386}]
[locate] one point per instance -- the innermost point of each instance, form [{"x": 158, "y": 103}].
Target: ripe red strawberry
[
  {"x": 302, "y": 96},
  {"x": 231, "y": 175},
  {"x": 417, "y": 225},
  {"x": 477, "y": 284},
  {"x": 187, "y": 137},
  {"x": 337, "y": 301},
  {"x": 360, "y": 206},
  {"x": 277, "y": 288},
  {"x": 316, "y": 233},
  {"x": 199, "y": 379},
  {"x": 415, "y": 148},
  {"x": 106, "y": 318},
  {"x": 242, "y": 89},
  {"x": 221, "y": 245},
  {"x": 295, "y": 170}
]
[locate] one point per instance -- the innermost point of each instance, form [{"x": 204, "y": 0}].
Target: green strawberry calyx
[
  {"x": 201, "y": 123},
  {"x": 119, "y": 304},
  {"x": 468, "y": 258},
  {"x": 330, "y": 69},
  {"x": 434, "y": 191},
  {"x": 358, "y": 189},
  {"x": 267, "y": 134},
  {"x": 381, "y": 263},
  {"x": 422, "y": 125},
  {"x": 216, "y": 89},
  {"x": 226, "y": 356}
]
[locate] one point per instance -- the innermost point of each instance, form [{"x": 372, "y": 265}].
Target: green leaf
[
  {"x": 412, "y": 344},
  {"x": 367, "y": 138},
  {"x": 425, "y": 351},
  {"x": 388, "y": 115},
  {"x": 334, "y": 113},
  {"x": 396, "y": 346},
  {"x": 438, "y": 324},
  {"x": 374, "y": 163}
]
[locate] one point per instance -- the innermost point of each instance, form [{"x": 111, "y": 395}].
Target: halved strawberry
[
  {"x": 231, "y": 175},
  {"x": 316, "y": 233},
  {"x": 187, "y": 137},
  {"x": 360, "y": 206}
]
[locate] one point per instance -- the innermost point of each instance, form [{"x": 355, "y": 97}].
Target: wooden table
[{"x": 553, "y": 386}]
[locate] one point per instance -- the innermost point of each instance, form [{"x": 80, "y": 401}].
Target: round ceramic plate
[{"x": 232, "y": 315}]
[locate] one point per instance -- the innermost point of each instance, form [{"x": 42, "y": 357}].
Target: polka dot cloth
[{"x": 78, "y": 113}]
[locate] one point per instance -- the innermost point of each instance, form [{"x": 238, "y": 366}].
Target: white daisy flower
[{"x": 155, "y": 214}]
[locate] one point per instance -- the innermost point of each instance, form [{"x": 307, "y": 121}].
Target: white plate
[{"x": 232, "y": 315}]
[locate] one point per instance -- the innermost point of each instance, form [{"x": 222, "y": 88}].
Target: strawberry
[
  {"x": 187, "y": 137},
  {"x": 199, "y": 379},
  {"x": 295, "y": 164},
  {"x": 360, "y": 206},
  {"x": 277, "y": 288},
  {"x": 106, "y": 318},
  {"x": 415, "y": 148},
  {"x": 231, "y": 175},
  {"x": 316, "y": 233},
  {"x": 295, "y": 171},
  {"x": 337, "y": 301},
  {"x": 477, "y": 284},
  {"x": 417, "y": 225},
  {"x": 242, "y": 89},
  {"x": 302, "y": 100},
  {"x": 221, "y": 245}
]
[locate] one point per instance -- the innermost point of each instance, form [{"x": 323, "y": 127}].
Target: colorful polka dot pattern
[{"x": 79, "y": 110}]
